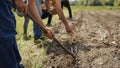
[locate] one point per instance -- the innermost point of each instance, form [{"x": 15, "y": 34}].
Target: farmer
[
  {"x": 9, "y": 54},
  {"x": 63, "y": 3},
  {"x": 56, "y": 10},
  {"x": 44, "y": 15},
  {"x": 67, "y": 5},
  {"x": 54, "y": 7},
  {"x": 37, "y": 31}
]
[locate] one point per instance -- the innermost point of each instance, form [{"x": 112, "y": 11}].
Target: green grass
[
  {"x": 96, "y": 7},
  {"x": 32, "y": 56}
]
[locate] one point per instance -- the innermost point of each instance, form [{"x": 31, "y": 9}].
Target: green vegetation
[
  {"x": 96, "y": 7},
  {"x": 92, "y": 2}
]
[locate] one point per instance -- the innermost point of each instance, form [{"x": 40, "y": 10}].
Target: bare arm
[
  {"x": 58, "y": 10},
  {"x": 61, "y": 15},
  {"x": 33, "y": 13}
]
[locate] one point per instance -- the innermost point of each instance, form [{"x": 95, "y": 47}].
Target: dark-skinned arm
[
  {"x": 57, "y": 9},
  {"x": 33, "y": 13},
  {"x": 61, "y": 15}
]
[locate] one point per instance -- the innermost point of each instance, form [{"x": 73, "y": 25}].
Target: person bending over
[
  {"x": 54, "y": 7},
  {"x": 45, "y": 14}
]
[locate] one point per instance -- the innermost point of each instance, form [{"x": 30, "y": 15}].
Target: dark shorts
[{"x": 9, "y": 55}]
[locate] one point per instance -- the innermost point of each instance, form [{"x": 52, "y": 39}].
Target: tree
[
  {"x": 110, "y": 3},
  {"x": 86, "y": 2},
  {"x": 95, "y": 3}
]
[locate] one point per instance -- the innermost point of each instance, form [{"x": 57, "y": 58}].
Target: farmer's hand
[
  {"x": 68, "y": 29},
  {"x": 21, "y": 6},
  {"x": 48, "y": 32}
]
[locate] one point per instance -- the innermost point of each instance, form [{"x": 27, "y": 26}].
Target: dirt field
[{"x": 95, "y": 39}]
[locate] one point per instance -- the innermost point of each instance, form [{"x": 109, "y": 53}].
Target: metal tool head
[{"x": 74, "y": 49}]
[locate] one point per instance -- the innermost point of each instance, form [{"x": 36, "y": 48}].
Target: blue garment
[
  {"x": 7, "y": 20},
  {"x": 37, "y": 31},
  {"x": 9, "y": 55}
]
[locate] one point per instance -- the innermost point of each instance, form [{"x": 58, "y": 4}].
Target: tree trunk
[
  {"x": 96, "y": 3},
  {"x": 111, "y": 2},
  {"x": 86, "y": 2}
]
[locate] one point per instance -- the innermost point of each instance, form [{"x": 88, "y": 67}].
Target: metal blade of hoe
[{"x": 67, "y": 50}]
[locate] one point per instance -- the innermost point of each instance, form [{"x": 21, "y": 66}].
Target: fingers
[
  {"x": 68, "y": 29},
  {"x": 49, "y": 33}
]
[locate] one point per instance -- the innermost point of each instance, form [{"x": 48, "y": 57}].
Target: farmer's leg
[
  {"x": 49, "y": 19},
  {"x": 25, "y": 36},
  {"x": 9, "y": 54},
  {"x": 62, "y": 3},
  {"x": 26, "y": 18},
  {"x": 36, "y": 29},
  {"x": 46, "y": 14},
  {"x": 67, "y": 5}
]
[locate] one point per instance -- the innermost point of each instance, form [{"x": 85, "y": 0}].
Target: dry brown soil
[{"x": 95, "y": 39}]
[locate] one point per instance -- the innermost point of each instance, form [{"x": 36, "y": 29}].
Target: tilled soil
[{"x": 95, "y": 42}]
